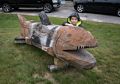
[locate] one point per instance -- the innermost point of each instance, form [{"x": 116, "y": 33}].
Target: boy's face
[{"x": 74, "y": 20}]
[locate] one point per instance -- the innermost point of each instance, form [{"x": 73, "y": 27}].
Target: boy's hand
[{"x": 69, "y": 24}]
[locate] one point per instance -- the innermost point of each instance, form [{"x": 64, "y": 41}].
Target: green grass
[{"x": 25, "y": 64}]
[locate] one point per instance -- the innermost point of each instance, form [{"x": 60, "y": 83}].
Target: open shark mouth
[{"x": 80, "y": 58}]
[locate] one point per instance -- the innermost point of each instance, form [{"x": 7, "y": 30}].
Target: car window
[
  {"x": 90, "y": 0},
  {"x": 113, "y": 1},
  {"x": 100, "y": 0}
]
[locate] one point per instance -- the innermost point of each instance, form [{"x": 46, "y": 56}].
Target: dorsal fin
[{"x": 44, "y": 18}]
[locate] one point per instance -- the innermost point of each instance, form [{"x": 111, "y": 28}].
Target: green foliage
[{"x": 25, "y": 64}]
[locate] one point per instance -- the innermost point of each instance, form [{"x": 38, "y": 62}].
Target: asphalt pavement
[{"x": 65, "y": 10}]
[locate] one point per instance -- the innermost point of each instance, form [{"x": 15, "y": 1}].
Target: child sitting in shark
[{"x": 73, "y": 20}]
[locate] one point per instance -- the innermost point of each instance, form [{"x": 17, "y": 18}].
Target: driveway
[{"x": 65, "y": 10}]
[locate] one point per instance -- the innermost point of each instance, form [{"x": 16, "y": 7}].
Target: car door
[
  {"x": 11, "y": 2},
  {"x": 111, "y": 6},
  {"x": 103, "y": 5},
  {"x": 29, "y": 3},
  {"x": 90, "y": 5}
]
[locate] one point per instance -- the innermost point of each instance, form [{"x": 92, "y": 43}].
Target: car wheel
[
  {"x": 80, "y": 8},
  {"x": 48, "y": 7},
  {"x": 118, "y": 12},
  {"x": 6, "y": 7}
]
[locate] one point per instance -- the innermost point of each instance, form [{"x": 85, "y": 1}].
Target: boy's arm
[{"x": 66, "y": 24}]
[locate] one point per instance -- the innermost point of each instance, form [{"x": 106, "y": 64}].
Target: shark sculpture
[{"x": 65, "y": 43}]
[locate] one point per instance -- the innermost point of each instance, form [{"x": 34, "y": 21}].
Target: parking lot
[{"x": 65, "y": 10}]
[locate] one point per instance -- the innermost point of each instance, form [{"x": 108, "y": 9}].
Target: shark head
[{"x": 71, "y": 43}]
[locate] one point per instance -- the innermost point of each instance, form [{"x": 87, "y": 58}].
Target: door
[
  {"x": 29, "y": 3},
  {"x": 103, "y": 5},
  {"x": 90, "y": 5}
]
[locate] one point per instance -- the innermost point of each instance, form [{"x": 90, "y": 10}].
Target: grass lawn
[{"x": 25, "y": 64}]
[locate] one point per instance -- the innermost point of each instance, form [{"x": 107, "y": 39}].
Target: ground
[{"x": 25, "y": 64}]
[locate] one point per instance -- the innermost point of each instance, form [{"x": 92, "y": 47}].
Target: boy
[{"x": 73, "y": 20}]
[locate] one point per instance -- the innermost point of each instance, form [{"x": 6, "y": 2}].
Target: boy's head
[{"x": 74, "y": 18}]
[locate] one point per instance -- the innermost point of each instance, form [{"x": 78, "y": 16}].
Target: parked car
[
  {"x": 47, "y": 5},
  {"x": 107, "y": 6}
]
